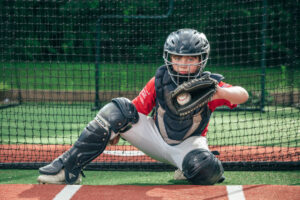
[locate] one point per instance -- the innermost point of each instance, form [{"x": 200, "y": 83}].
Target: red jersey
[{"x": 145, "y": 101}]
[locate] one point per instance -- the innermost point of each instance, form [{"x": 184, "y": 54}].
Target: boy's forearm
[{"x": 234, "y": 94}]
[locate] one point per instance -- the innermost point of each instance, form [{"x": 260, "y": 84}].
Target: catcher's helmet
[{"x": 186, "y": 42}]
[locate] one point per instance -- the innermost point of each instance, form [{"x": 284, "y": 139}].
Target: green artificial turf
[
  {"x": 157, "y": 178},
  {"x": 62, "y": 124}
]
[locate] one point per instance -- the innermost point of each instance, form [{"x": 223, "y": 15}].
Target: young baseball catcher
[{"x": 183, "y": 97}]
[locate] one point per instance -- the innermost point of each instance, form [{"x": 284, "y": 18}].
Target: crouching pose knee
[
  {"x": 116, "y": 116},
  {"x": 201, "y": 167}
]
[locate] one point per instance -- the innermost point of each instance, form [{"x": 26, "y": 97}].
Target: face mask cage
[{"x": 178, "y": 78}]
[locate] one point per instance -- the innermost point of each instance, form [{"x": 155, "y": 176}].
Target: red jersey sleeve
[
  {"x": 221, "y": 102},
  {"x": 145, "y": 101},
  {"x": 218, "y": 102}
]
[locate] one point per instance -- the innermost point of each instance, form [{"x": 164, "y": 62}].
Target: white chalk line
[
  {"x": 235, "y": 192},
  {"x": 67, "y": 192}
]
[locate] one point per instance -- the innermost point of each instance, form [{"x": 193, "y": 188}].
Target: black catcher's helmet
[{"x": 186, "y": 42}]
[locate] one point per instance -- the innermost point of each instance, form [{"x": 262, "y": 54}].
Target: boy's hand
[{"x": 218, "y": 94}]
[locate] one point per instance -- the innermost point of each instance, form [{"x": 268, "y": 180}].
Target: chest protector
[{"x": 174, "y": 128}]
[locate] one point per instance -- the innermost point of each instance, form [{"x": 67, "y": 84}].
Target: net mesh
[{"x": 61, "y": 61}]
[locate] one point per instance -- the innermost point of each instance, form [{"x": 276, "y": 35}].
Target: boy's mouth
[{"x": 183, "y": 72}]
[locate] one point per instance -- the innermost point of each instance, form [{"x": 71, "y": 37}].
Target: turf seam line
[
  {"x": 67, "y": 192},
  {"x": 235, "y": 192}
]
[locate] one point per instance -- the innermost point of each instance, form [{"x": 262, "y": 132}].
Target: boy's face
[{"x": 185, "y": 64}]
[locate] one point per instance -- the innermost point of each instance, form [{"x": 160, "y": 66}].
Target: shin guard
[{"x": 116, "y": 116}]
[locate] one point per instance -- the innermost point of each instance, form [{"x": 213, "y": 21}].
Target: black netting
[{"x": 61, "y": 61}]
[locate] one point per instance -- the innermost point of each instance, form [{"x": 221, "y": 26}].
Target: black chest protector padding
[
  {"x": 177, "y": 129},
  {"x": 175, "y": 126}
]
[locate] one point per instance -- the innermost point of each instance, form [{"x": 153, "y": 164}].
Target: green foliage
[
  {"x": 3, "y": 86},
  {"x": 65, "y": 30}
]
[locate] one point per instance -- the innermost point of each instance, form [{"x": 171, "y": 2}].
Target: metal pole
[
  {"x": 97, "y": 72},
  {"x": 263, "y": 55}
]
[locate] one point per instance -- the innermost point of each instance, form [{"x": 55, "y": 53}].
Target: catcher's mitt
[{"x": 199, "y": 92}]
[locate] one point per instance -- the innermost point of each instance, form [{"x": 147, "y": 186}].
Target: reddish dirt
[{"x": 156, "y": 192}]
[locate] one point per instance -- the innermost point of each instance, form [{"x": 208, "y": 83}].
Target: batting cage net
[{"x": 61, "y": 61}]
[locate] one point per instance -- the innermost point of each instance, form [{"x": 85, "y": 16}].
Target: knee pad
[
  {"x": 115, "y": 116},
  {"x": 120, "y": 114},
  {"x": 201, "y": 167}
]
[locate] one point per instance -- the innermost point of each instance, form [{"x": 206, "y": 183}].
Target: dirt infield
[
  {"x": 46, "y": 153},
  {"x": 164, "y": 192}
]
